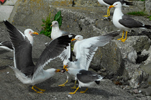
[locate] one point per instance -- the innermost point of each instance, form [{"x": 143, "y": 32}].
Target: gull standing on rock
[
  {"x": 124, "y": 22},
  {"x": 24, "y": 68}
]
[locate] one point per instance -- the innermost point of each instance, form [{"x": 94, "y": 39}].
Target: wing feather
[
  {"x": 86, "y": 48},
  {"x": 22, "y": 49},
  {"x": 52, "y": 51}
]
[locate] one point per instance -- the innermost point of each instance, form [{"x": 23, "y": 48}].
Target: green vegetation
[
  {"x": 137, "y": 13},
  {"x": 47, "y": 23},
  {"x": 140, "y": 13},
  {"x": 149, "y": 17}
]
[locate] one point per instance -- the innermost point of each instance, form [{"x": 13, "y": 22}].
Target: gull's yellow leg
[
  {"x": 74, "y": 87},
  {"x": 123, "y": 40},
  {"x": 64, "y": 83},
  {"x": 38, "y": 89},
  {"x": 74, "y": 91},
  {"x": 84, "y": 91},
  {"x": 108, "y": 13},
  {"x": 122, "y": 36}
]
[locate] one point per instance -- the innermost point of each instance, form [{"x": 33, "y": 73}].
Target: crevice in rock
[
  {"x": 80, "y": 27},
  {"x": 73, "y": 3},
  {"x": 141, "y": 58},
  {"x": 121, "y": 69}
]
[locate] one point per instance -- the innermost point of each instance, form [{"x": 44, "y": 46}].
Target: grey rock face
[{"x": 148, "y": 6}]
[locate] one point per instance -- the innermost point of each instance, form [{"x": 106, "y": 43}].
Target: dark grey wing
[
  {"x": 65, "y": 33},
  {"x": 110, "y": 2},
  {"x": 129, "y": 22},
  {"x": 22, "y": 50},
  {"x": 7, "y": 44},
  {"x": 87, "y": 76},
  {"x": 52, "y": 51},
  {"x": 126, "y": 2}
]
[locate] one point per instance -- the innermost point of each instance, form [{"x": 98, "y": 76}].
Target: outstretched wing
[
  {"x": 52, "y": 51},
  {"x": 22, "y": 48},
  {"x": 86, "y": 48}
]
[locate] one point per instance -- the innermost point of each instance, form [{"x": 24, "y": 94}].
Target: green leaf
[
  {"x": 60, "y": 21},
  {"x": 58, "y": 15},
  {"x": 43, "y": 21}
]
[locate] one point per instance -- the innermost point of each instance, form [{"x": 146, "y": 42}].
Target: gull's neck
[
  {"x": 118, "y": 12},
  {"x": 30, "y": 38},
  {"x": 55, "y": 32}
]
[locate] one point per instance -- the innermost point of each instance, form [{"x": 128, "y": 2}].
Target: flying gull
[
  {"x": 111, "y": 2},
  {"x": 6, "y": 45},
  {"x": 85, "y": 78},
  {"x": 24, "y": 68},
  {"x": 84, "y": 50},
  {"x": 124, "y": 22}
]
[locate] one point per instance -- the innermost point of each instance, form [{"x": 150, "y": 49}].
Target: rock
[
  {"x": 146, "y": 68},
  {"x": 10, "y": 2},
  {"x": 147, "y": 91},
  {"x": 137, "y": 78},
  {"x": 5, "y": 12},
  {"x": 113, "y": 54},
  {"x": 147, "y": 52},
  {"x": 148, "y": 6}
]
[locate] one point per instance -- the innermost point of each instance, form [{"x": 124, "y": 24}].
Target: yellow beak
[
  {"x": 36, "y": 33},
  {"x": 73, "y": 39},
  {"x": 57, "y": 70},
  {"x": 111, "y": 6}
]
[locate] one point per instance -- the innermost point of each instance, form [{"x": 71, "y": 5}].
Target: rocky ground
[{"x": 12, "y": 88}]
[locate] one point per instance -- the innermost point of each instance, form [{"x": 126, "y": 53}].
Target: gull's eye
[{"x": 29, "y": 31}]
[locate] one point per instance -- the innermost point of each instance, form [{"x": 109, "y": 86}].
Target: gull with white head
[{"x": 25, "y": 70}]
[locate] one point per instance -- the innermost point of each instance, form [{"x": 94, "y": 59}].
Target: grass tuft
[{"x": 137, "y": 13}]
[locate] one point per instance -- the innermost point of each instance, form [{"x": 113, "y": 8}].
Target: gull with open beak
[
  {"x": 25, "y": 70},
  {"x": 84, "y": 50}
]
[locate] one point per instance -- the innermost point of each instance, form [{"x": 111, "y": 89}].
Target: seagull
[
  {"x": 111, "y": 2},
  {"x": 85, "y": 78},
  {"x": 6, "y": 45},
  {"x": 56, "y": 32},
  {"x": 84, "y": 50},
  {"x": 124, "y": 22},
  {"x": 24, "y": 68}
]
